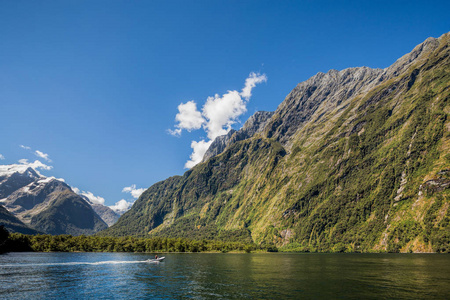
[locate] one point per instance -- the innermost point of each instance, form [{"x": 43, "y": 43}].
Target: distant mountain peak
[
  {"x": 46, "y": 204},
  {"x": 32, "y": 172},
  {"x": 8, "y": 170}
]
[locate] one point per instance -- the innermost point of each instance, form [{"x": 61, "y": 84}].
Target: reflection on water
[{"x": 227, "y": 276}]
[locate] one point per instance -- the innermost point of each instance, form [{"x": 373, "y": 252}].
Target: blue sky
[{"x": 96, "y": 85}]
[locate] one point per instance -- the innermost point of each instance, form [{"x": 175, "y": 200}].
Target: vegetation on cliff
[{"x": 356, "y": 160}]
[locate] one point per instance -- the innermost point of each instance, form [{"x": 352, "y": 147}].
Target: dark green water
[{"x": 226, "y": 276}]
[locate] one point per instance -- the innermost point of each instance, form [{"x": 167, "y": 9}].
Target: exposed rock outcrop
[{"x": 255, "y": 124}]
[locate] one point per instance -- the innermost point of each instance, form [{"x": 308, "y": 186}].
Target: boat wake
[{"x": 109, "y": 262}]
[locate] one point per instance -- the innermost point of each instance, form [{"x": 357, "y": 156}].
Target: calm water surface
[{"x": 226, "y": 276}]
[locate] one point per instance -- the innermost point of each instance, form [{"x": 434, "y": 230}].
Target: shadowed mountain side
[
  {"x": 68, "y": 214},
  {"x": 13, "y": 224}
]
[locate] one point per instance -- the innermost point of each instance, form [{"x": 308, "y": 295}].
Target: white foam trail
[{"x": 80, "y": 263}]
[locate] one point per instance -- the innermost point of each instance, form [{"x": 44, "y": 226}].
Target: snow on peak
[
  {"x": 8, "y": 170},
  {"x": 48, "y": 179},
  {"x": 24, "y": 167}
]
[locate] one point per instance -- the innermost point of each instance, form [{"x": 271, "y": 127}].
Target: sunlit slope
[{"x": 352, "y": 160}]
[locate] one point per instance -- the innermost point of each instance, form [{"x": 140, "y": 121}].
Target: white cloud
[
  {"x": 251, "y": 82},
  {"x": 133, "y": 191},
  {"x": 217, "y": 116},
  {"x": 42, "y": 155},
  {"x": 121, "y": 206},
  {"x": 92, "y": 198},
  {"x": 35, "y": 165},
  {"x": 222, "y": 112},
  {"x": 2, "y": 157},
  {"x": 188, "y": 117},
  {"x": 175, "y": 132},
  {"x": 37, "y": 153},
  {"x": 199, "y": 149}
]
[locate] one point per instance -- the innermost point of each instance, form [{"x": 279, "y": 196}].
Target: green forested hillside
[{"x": 356, "y": 160}]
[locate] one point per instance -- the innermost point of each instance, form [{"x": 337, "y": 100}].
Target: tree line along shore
[{"x": 17, "y": 242}]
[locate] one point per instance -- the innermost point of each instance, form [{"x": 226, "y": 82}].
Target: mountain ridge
[
  {"x": 337, "y": 167},
  {"x": 35, "y": 203}
]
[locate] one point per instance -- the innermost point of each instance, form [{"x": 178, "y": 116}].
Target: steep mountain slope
[
  {"x": 254, "y": 124},
  {"x": 352, "y": 160},
  {"x": 46, "y": 204},
  {"x": 108, "y": 216},
  {"x": 13, "y": 224},
  {"x": 13, "y": 177},
  {"x": 68, "y": 213}
]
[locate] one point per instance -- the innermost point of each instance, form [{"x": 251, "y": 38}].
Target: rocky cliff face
[
  {"x": 13, "y": 178},
  {"x": 351, "y": 160},
  {"x": 44, "y": 204},
  {"x": 317, "y": 97},
  {"x": 254, "y": 124},
  {"x": 109, "y": 216}
]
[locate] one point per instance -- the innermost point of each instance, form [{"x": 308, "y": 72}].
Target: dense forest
[{"x": 17, "y": 242}]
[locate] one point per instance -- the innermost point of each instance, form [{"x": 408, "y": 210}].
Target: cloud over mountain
[
  {"x": 133, "y": 191},
  {"x": 94, "y": 199},
  {"x": 35, "y": 165},
  {"x": 121, "y": 206},
  {"x": 218, "y": 114}
]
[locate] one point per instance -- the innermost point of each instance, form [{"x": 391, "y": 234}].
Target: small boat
[{"x": 156, "y": 259}]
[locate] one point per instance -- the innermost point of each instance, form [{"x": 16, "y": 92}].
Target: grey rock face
[
  {"x": 254, "y": 124},
  {"x": 328, "y": 91},
  {"x": 33, "y": 195},
  {"x": 109, "y": 216},
  {"x": 12, "y": 182},
  {"x": 323, "y": 93},
  {"x": 218, "y": 146},
  {"x": 404, "y": 62}
]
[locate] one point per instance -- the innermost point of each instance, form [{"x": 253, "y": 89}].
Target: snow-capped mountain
[
  {"x": 46, "y": 204},
  {"x": 13, "y": 177}
]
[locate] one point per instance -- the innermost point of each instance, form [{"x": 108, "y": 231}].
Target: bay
[{"x": 225, "y": 276}]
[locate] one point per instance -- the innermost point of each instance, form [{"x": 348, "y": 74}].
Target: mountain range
[
  {"x": 351, "y": 160},
  {"x": 32, "y": 203}
]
